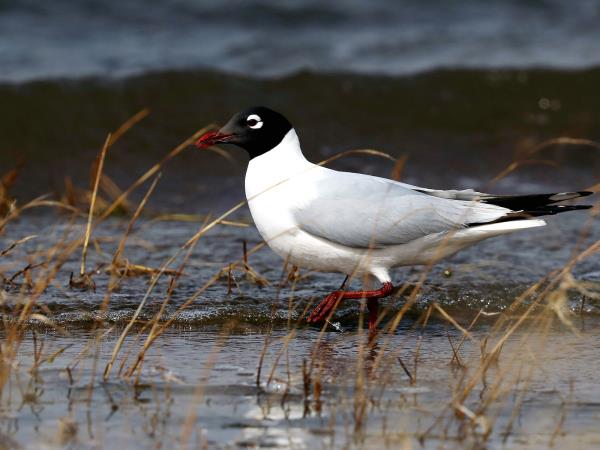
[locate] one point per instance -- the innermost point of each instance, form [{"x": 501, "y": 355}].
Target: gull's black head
[{"x": 257, "y": 130}]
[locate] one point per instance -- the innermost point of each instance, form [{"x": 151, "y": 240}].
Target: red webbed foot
[{"x": 324, "y": 309}]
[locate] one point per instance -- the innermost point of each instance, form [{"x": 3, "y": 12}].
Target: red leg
[
  {"x": 326, "y": 307},
  {"x": 373, "y": 307}
]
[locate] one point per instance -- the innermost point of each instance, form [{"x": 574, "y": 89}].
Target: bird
[{"x": 360, "y": 225}]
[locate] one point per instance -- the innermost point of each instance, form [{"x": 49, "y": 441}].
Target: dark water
[
  {"x": 68, "y": 38},
  {"x": 458, "y": 128}
]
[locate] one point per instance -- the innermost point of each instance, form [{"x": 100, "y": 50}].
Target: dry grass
[{"x": 469, "y": 414}]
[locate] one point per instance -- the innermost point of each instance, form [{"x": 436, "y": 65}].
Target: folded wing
[{"x": 362, "y": 211}]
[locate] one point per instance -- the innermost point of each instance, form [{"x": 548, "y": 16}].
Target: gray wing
[{"x": 362, "y": 211}]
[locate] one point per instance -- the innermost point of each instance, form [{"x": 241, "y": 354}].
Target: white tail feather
[{"x": 506, "y": 227}]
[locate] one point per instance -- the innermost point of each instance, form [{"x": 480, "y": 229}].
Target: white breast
[
  {"x": 271, "y": 191},
  {"x": 277, "y": 184}
]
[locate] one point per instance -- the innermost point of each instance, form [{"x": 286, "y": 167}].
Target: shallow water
[
  {"x": 490, "y": 275},
  {"x": 198, "y": 389}
]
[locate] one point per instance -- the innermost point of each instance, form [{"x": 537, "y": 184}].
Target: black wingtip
[
  {"x": 535, "y": 201},
  {"x": 585, "y": 193},
  {"x": 548, "y": 210}
]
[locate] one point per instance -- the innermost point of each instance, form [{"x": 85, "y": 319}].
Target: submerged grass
[{"x": 493, "y": 355}]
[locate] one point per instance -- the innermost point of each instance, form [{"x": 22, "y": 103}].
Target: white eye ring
[{"x": 257, "y": 119}]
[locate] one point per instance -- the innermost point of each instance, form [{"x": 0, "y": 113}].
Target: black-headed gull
[{"x": 360, "y": 225}]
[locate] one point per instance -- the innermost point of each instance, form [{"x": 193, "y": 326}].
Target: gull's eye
[{"x": 254, "y": 121}]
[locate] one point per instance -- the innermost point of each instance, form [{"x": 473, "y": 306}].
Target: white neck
[
  {"x": 278, "y": 164},
  {"x": 287, "y": 152}
]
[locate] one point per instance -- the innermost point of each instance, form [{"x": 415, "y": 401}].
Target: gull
[{"x": 360, "y": 225}]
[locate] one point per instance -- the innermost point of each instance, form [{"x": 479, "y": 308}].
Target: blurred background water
[{"x": 73, "y": 38}]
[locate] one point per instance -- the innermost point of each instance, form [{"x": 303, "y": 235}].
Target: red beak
[{"x": 212, "y": 138}]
